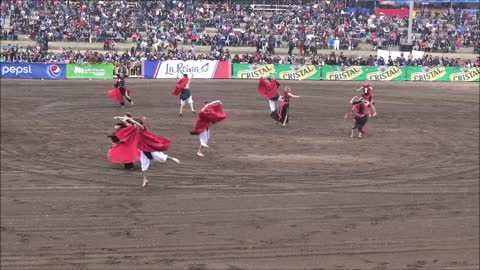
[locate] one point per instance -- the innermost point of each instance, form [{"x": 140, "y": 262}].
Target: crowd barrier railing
[{"x": 214, "y": 69}]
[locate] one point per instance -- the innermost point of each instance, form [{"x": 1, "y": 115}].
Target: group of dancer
[
  {"x": 131, "y": 142},
  {"x": 279, "y": 104},
  {"x": 360, "y": 111}
]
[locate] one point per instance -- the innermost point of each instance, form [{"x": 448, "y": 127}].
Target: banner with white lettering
[
  {"x": 201, "y": 69},
  {"x": 33, "y": 70}
]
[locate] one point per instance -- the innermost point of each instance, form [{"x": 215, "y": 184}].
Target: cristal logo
[
  {"x": 256, "y": 71},
  {"x": 54, "y": 71},
  {"x": 78, "y": 70},
  {"x": 466, "y": 75},
  {"x": 344, "y": 73},
  {"x": 384, "y": 74},
  {"x": 298, "y": 72}
]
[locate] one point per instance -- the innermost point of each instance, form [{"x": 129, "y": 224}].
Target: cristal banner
[
  {"x": 455, "y": 74},
  {"x": 362, "y": 73},
  {"x": 279, "y": 72},
  {"x": 88, "y": 71}
]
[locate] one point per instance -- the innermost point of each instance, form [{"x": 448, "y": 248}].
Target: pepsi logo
[{"x": 54, "y": 71}]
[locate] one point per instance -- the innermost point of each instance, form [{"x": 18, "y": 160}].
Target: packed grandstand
[{"x": 161, "y": 30}]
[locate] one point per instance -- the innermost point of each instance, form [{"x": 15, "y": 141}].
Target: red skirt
[
  {"x": 117, "y": 95},
  {"x": 123, "y": 153}
]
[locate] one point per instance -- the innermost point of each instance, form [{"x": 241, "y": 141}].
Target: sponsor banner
[
  {"x": 279, "y": 72},
  {"x": 465, "y": 74},
  {"x": 89, "y": 71},
  {"x": 362, "y": 73},
  {"x": 33, "y": 70},
  {"x": 203, "y": 69},
  {"x": 150, "y": 69},
  {"x": 443, "y": 74}
]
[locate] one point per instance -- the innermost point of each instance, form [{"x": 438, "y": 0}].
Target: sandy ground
[{"x": 264, "y": 197}]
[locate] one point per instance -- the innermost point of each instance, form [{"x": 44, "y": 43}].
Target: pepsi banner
[{"x": 34, "y": 71}]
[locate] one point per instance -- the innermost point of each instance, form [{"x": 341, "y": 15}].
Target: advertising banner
[
  {"x": 444, "y": 74},
  {"x": 203, "y": 69},
  {"x": 362, "y": 73},
  {"x": 465, "y": 74},
  {"x": 89, "y": 71},
  {"x": 150, "y": 69},
  {"x": 279, "y": 72},
  {"x": 33, "y": 71}
]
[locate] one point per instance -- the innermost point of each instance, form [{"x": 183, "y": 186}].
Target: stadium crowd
[{"x": 333, "y": 24}]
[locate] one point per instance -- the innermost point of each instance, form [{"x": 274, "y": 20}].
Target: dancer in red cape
[
  {"x": 150, "y": 145},
  {"x": 268, "y": 89},
  {"x": 182, "y": 89},
  {"x": 210, "y": 114},
  {"x": 360, "y": 110},
  {"x": 366, "y": 88},
  {"x": 281, "y": 114},
  {"x": 120, "y": 152},
  {"x": 120, "y": 91}
]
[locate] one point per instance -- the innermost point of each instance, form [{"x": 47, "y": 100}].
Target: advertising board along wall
[
  {"x": 203, "y": 69},
  {"x": 33, "y": 70}
]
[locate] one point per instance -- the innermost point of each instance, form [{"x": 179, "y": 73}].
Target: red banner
[{"x": 391, "y": 12}]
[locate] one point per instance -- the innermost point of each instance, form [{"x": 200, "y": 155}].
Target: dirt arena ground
[{"x": 264, "y": 197}]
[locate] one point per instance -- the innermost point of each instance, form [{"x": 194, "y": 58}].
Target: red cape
[
  {"x": 212, "y": 115},
  {"x": 267, "y": 89},
  {"x": 123, "y": 153},
  {"x": 180, "y": 85},
  {"x": 142, "y": 139},
  {"x": 116, "y": 95}
]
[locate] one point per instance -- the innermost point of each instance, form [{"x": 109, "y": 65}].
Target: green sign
[
  {"x": 88, "y": 71},
  {"x": 279, "y": 72},
  {"x": 362, "y": 73},
  {"x": 444, "y": 74}
]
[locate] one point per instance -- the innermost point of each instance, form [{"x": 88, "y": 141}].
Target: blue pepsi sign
[{"x": 33, "y": 71}]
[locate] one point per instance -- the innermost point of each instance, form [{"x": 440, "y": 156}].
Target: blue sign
[
  {"x": 150, "y": 69},
  {"x": 33, "y": 71}
]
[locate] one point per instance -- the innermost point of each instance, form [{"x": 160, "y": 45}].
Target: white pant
[
  {"x": 145, "y": 161},
  {"x": 189, "y": 100},
  {"x": 273, "y": 105},
  {"x": 203, "y": 136}
]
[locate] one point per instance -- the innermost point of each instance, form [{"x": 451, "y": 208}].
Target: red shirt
[
  {"x": 360, "y": 109},
  {"x": 367, "y": 89}
]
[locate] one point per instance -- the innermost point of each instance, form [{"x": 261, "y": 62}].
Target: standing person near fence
[
  {"x": 268, "y": 89},
  {"x": 366, "y": 89},
  {"x": 360, "y": 111},
  {"x": 281, "y": 114},
  {"x": 122, "y": 68},
  {"x": 182, "y": 89},
  {"x": 210, "y": 114},
  {"x": 120, "y": 92},
  {"x": 150, "y": 145}
]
